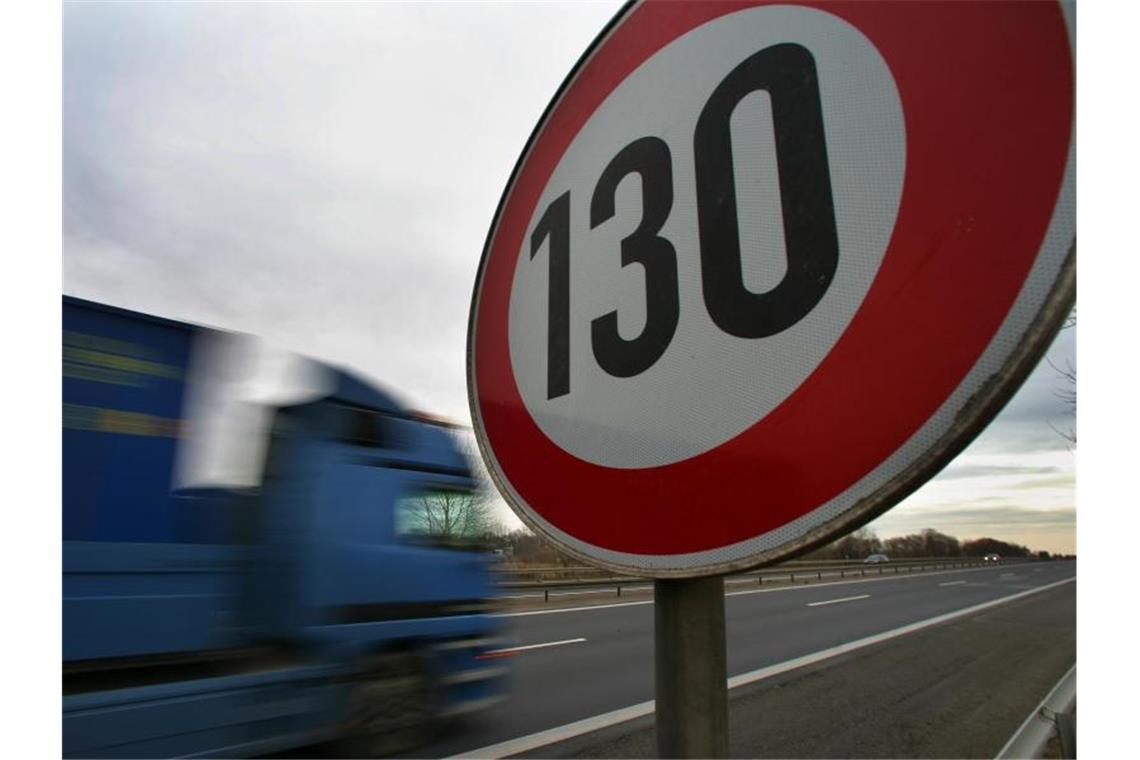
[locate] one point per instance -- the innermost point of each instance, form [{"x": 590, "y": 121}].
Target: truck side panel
[
  {"x": 132, "y": 599},
  {"x": 229, "y": 716},
  {"x": 123, "y": 388}
]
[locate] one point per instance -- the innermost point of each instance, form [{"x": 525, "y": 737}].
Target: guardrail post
[
  {"x": 546, "y": 595},
  {"x": 819, "y": 575},
  {"x": 619, "y": 589},
  {"x": 1067, "y": 734}
]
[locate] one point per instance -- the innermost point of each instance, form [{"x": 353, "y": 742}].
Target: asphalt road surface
[{"x": 953, "y": 689}]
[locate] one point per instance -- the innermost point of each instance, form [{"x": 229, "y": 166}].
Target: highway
[{"x": 575, "y": 664}]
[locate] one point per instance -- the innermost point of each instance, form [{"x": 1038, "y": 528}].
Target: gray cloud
[
  {"x": 1051, "y": 529},
  {"x": 1067, "y": 480},
  {"x": 322, "y": 176},
  {"x": 958, "y": 472}
]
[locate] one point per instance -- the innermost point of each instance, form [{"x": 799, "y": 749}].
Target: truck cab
[{"x": 238, "y": 621}]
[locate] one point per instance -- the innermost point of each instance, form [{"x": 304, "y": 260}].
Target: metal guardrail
[
  {"x": 549, "y": 579},
  {"x": 1054, "y": 717}
]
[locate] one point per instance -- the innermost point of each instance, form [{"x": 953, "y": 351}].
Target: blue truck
[{"x": 218, "y": 621}]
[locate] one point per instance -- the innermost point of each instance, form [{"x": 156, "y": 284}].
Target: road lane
[
  {"x": 613, "y": 668},
  {"x": 956, "y": 689}
]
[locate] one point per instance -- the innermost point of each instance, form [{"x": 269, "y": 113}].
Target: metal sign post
[
  {"x": 690, "y": 667},
  {"x": 761, "y": 270}
]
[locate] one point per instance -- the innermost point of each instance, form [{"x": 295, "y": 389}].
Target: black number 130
[{"x": 787, "y": 72}]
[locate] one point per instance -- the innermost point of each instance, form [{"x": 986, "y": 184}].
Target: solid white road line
[
  {"x": 837, "y": 601},
  {"x": 512, "y": 650},
  {"x": 952, "y": 583},
  {"x": 585, "y": 608},
  {"x": 570, "y": 730}
]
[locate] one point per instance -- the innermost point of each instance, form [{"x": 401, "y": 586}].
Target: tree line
[
  {"x": 926, "y": 543},
  {"x": 526, "y": 547}
]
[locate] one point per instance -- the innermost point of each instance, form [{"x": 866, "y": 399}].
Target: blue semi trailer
[{"x": 236, "y": 622}]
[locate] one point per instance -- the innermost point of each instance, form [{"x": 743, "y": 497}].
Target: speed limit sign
[{"x": 763, "y": 269}]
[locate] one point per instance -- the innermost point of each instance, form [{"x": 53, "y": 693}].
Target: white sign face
[{"x": 707, "y": 385}]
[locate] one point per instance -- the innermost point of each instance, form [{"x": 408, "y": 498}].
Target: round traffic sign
[{"x": 763, "y": 269}]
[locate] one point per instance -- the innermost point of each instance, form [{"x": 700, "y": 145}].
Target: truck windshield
[{"x": 448, "y": 518}]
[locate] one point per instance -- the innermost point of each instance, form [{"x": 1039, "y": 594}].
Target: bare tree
[
  {"x": 905, "y": 547},
  {"x": 858, "y": 544},
  {"x": 453, "y": 515},
  {"x": 980, "y": 547},
  {"x": 1068, "y": 393},
  {"x": 936, "y": 544}
]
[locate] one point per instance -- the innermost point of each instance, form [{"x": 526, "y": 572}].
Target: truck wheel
[{"x": 391, "y": 707}]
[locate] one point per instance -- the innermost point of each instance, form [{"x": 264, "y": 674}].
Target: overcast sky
[{"x": 323, "y": 176}]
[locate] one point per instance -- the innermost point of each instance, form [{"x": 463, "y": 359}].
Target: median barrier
[{"x": 579, "y": 577}]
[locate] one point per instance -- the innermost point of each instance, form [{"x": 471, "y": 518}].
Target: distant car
[
  {"x": 991, "y": 559},
  {"x": 875, "y": 559}
]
